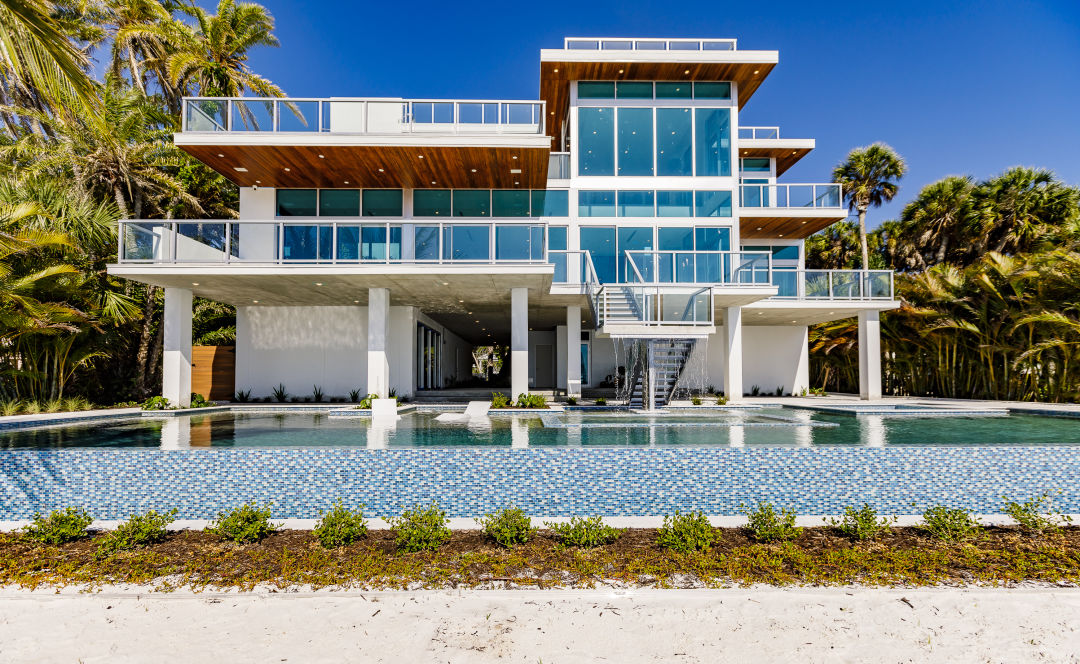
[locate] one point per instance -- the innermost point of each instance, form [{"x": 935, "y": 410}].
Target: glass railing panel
[
  {"x": 847, "y": 285},
  {"x": 147, "y": 241},
  {"x": 307, "y": 242},
  {"x": 200, "y": 242},
  {"x": 816, "y": 284},
  {"x": 754, "y": 196},
  {"x": 718, "y": 45},
  {"x": 298, "y": 115},
  {"x": 256, "y": 242},
  {"x": 583, "y": 44},
  {"x": 879, "y": 284},
  {"x": 684, "y": 46},
  {"x": 649, "y": 45},
  {"x": 252, "y": 115},
  {"x": 787, "y": 282},
  {"x": 521, "y": 114},
  {"x": 559, "y": 260},
  {"x": 798, "y": 195},
  {"x": 828, "y": 195},
  {"x": 205, "y": 115},
  {"x": 559, "y": 166},
  {"x": 617, "y": 45},
  {"x": 478, "y": 113}
]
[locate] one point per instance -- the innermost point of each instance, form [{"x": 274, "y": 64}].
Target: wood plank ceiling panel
[
  {"x": 358, "y": 166},
  {"x": 797, "y": 228},
  {"x": 785, "y": 157}
]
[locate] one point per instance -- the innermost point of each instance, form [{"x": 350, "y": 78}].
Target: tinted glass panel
[
  {"x": 596, "y": 90},
  {"x": 674, "y": 203},
  {"x": 308, "y": 242},
  {"x": 348, "y": 243},
  {"x": 712, "y": 268},
  {"x": 510, "y": 203},
  {"x": 557, "y": 238},
  {"x": 297, "y": 202},
  {"x": 712, "y": 239},
  {"x": 431, "y": 203},
  {"x": 468, "y": 243},
  {"x": 675, "y": 239},
  {"x": 550, "y": 203},
  {"x": 472, "y": 203},
  {"x": 786, "y": 252},
  {"x": 633, "y": 90},
  {"x": 373, "y": 243},
  {"x": 635, "y": 141},
  {"x": 382, "y": 202},
  {"x": 673, "y": 90},
  {"x": 339, "y": 203},
  {"x": 513, "y": 243},
  {"x": 596, "y": 141},
  {"x": 600, "y": 243},
  {"x": 426, "y": 243},
  {"x": 712, "y": 90},
  {"x": 713, "y": 141},
  {"x": 596, "y": 203},
  {"x": 633, "y": 239},
  {"x": 712, "y": 204},
  {"x": 756, "y": 165},
  {"x": 635, "y": 204},
  {"x": 674, "y": 141}
]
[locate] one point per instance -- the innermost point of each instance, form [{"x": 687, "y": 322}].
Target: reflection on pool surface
[{"x": 759, "y": 427}]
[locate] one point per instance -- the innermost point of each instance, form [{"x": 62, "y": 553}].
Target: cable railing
[
  {"x": 759, "y": 132},
  {"x": 631, "y": 44},
  {"x": 343, "y": 115},
  {"x": 790, "y": 196}
]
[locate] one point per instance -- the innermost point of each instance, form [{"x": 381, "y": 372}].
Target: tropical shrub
[
  {"x": 531, "y": 401},
  {"x": 686, "y": 532},
  {"x": 508, "y": 526},
  {"x": 138, "y": 531},
  {"x": 316, "y": 394},
  {"x": 951, "y": 524},
  {"x": 1036, "y": 515},
  {"x": 601, "y": 401},
  {"x": 571, "y": 401},
  {"x": 584, "y": 533},
  {"x": 340, "y": 526},
  {"x": 280, "y": 394},
  {"x": 59, "y": 526},
  {"x": 242, "y": 396},
  {"x": 721, "y": 400},
  {"x": 354, "y": 396},
  {"x": 156, "y": 403},
  {"x": 243, "y": 525},
  {"x": 421, "y": 528},
  {"x": 695, "y": 400},
  {"x": 767, "y": 524},
  {"x": 499, "y": 400},
  {"x": 862, "y": 523},
  {"x": 197, "y": 401}
]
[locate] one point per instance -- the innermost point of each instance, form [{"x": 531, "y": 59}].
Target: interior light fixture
[
  {"x": 287, "y": 169},
  {"x": 620, "y": 71},
  {"x": 514, "y": 157},
  {"x": 239, "y": 169},
  {"x": 382, "y": 171},
  {"x": 258, "y": 182},
  {"x": 221, "y": 155},
  {"x": 432, "y": 182},
  {"x": 755, "y": 71},
  {"x": 473, "y": 170},
  {"x": 322, "y": 157}
]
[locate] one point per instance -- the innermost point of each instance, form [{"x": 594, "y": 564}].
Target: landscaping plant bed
[{"x": 294, "y": 558}]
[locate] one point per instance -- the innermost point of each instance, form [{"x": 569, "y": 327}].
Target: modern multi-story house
[{"x": 380, "y": 240}]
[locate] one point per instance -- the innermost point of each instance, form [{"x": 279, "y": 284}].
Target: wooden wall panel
[{"x": 213, "y": 371}]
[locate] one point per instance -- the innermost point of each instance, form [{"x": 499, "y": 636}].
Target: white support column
[
  {"x": 869, "y": 355},
  {"x": 733, "y": 353},
  {"x": 519, "y": 342},
  {"x": 378, "y": 361},
  {"x": 176, "y": 362},
  {"x": 573, "y": 351}
]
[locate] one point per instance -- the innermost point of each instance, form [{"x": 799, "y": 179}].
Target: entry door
[{"x": 544, "y": 367}]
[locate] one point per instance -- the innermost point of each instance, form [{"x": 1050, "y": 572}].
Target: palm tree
[
  {"x": 935, "y": 215},
  {"x": 136, "y": 44},
  {"x": 1019, "y": 206},
  {"x": 869, "y": 176}
]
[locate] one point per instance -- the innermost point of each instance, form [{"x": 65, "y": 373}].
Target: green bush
[
  {"x": 138, "y": 531},
  {"x": 340, "y": 526},
  {"x": 243, "y": 525},
  {"x": 1036, "y": 515},
  {"x": 601, "y": 401},
  {"x": 767, "y": 524},
  {"x": 508, "y": 526},
  {"x": 584, "y": 533},
  {"x": 421, "y": 528},
  {"x": 695, "y": 400},
  {"x": 499, "y": 400},
  {"x": 59, "y": 526},
  {"x": 156, "y": 403},
  {"x": 686, "y": 532},
  {"x": 354, "y": 396},
  {"x": 721, "y": 400},
  {"x": 242, "y": 396},
  {"x": 571, "y": 401},
  {"x": 951, "y": 524},
  {"x": 531, "y": 401},
  {"x": 197, "y": 401},
  {"x": 280, "y": 394},
  {"x": 317, "y": 394},
  {"x": 862, "y": 523}
]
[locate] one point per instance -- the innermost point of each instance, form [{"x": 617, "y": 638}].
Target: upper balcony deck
[
  {"x": 342, "y": 142},
  {"x": 766, "y": 142}
]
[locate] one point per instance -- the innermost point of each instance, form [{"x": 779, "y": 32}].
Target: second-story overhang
[
  {"x": 786, "y": 223},
  {"x": 558, "y": 67},
  {"x": 786, "y": 151},
  {"x": 397, "y": 161}
]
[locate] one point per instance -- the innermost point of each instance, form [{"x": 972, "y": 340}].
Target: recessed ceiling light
[
  {"x": 461, "y": 301},
  {"x": 781, "y": 235},
  {"x": 255, "y": 301},
  {"x": 755, "y": 71},
  {"x": 687, "y": 71},
  {"x": 346, "y": 182},
  {"x": 620, "y": 71},
  {"x": 476, "y": 321},
  {"x": 515, "y": 170},
  {"x": 432, "y": 182},
  {"x": 760, "y": 313},
  {"x": 794, "y": 152},
  {"x": 556, "y": 70},
  {"x": 445, "y": 284},
  {"x": 473, "y": 170},
  {"x": 759, "y": 228},
  {"x": 220, "y": 155},
  {"x": 421, "y": 156},
  {"x": 239, "y": 169},
  {"x": 792, "y": 321},
  {"x": 514, "y": 157},
  {"x": 321, "y": 157},
  {"x": 288, "y": 169},
  {"x": 381, "y": 170},
  {"x": 517, "y": 183},
  {"x": 318, "y": 283},
  {"x": 356, "y": 301},
  {"x": 194, "y": 283},
  {"x": 553, "y": 112}
]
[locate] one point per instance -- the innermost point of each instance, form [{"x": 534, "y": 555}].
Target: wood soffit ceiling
[
  {"x": 785, "y": 157},
  {"x": 357, "y": 166},
  {"x": 555, "y": 86},
  {"x": 794, "y": 228}
]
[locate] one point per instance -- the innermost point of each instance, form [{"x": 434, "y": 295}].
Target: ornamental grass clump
[
  {"x": 686, "y": 533},
  {"x": 138, "y": 531},
  {"x": 508, "y": 526},
  {"x": 768, "y": 524},
  {"x": 421, "y": 528},
  {"x": 340, "y": 526},
  {"x": 584, "y": 533},
  {"x": 950, "y": 524},
  {"x": 1036, "y": 515},
  {"x": 861, "y": 524},
  {"x": 59, "y": 527},
  {"x": 244, "y": 525}
]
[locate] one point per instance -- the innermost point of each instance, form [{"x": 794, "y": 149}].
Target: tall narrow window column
[
  {"x": 869, "y": 355},
  {"x": 733, "y": 353},
  {"x": 378, "y": 361},
  {"x": 176, "y": 366},
  {"x": 573, "y": 353},
  {"x": 519, "y": 342}
]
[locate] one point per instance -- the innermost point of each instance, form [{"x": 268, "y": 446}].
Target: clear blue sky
[{"x": 956, "y": 88}]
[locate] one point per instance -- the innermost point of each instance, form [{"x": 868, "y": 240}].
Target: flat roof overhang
[
  {"x": 786, "y": 151},
  {"x": 787, "y": 223},
  {"x": 810, "y": 312},
  {"x": 353, "y": 161},
  {"x": 747, "y": 69}
]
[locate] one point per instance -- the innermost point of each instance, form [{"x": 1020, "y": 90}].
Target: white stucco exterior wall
[{"x": 773, "y": 356}]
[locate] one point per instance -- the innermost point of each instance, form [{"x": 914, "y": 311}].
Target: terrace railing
[
  {"x": 759, "y": 132},
  {"x": 343, "y": 115},
  {"x": 797, "y": 284},
  {"x": 726, "y": 268},
  {"x": 630, "y": 44},
  {"x": 791, "y": 196},
  {"x": 559, "y": 166}
]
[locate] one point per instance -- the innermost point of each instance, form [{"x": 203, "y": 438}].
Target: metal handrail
[
  {"x": 648, "y": 300},
  {"x": 759, "y": 132}
]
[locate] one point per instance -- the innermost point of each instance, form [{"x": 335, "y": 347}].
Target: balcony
[
  {"x": 766, "y": 143},
  {"x": 361, "y": 116},
  {"x": 626, "y": 44},
  {"x": 792, "y": 211},
  {"x": 759, "y": 133}
]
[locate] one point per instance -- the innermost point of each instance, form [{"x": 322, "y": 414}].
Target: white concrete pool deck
[{"x": 757, "y": 624}]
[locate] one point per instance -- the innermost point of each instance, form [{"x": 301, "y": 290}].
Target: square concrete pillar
[
  {"x": 176, "y": 360},
  {"x": 869, "y": 355},
  {"x": 733, "y": 353},
  {"x": 519, "y": 342},
  {"x": 378, "y": 361},
  {"x": 573, "y": 351}
]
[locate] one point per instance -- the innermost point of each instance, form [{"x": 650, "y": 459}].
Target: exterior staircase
[
  {"x": 669, "y": 357},
  {"x": 622, "y": 306}
]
